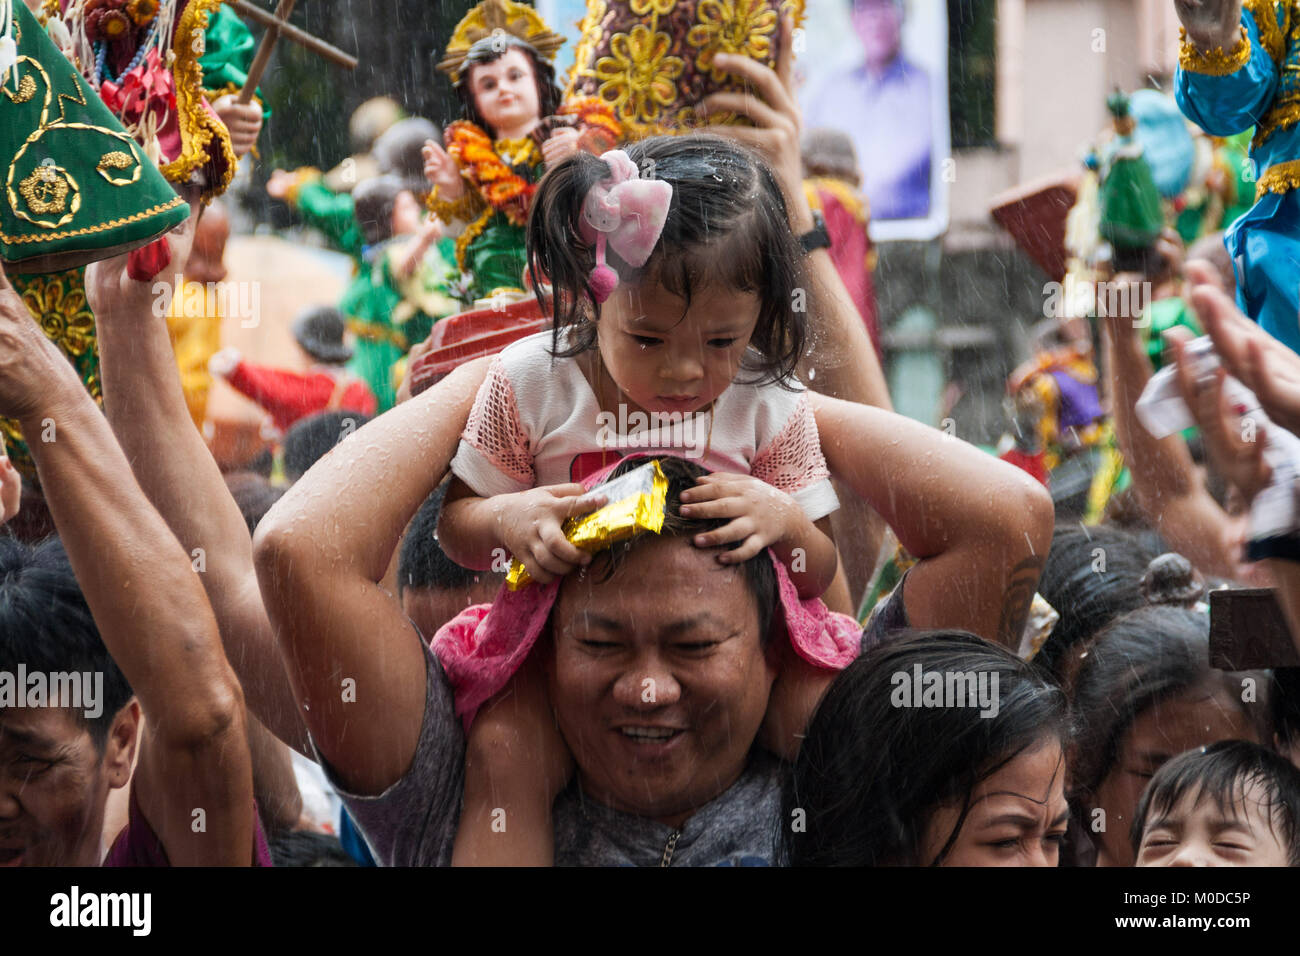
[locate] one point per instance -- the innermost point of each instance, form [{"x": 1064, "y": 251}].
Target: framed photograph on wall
[{"x": 878, "y": 70}]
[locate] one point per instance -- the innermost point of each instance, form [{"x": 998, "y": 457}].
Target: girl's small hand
[
  {"x": 532, "y": 528},
  {"x": 760, "y": 514}
]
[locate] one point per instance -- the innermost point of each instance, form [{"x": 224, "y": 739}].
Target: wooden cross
[{"x": 277, "y": 25}]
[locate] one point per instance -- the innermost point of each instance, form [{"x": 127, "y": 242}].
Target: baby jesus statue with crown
[{"x": 515, "y": 126}]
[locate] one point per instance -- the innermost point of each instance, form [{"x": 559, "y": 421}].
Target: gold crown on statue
[{"x": 486, "y": 19}]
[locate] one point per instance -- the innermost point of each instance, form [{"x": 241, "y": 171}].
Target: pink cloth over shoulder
[{"x": 481, "y": 648}]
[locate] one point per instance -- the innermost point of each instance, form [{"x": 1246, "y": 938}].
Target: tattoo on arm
[{"x": 1017, "y": 598}]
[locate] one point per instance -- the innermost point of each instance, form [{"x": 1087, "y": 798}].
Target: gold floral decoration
[
  {"x": 118, "y": 159},
  {"x": 63, "y": 314},
  {"x": 590, "y": 30},
  {"x": 142, "y": 12},
  {"x": 1279, "y": 178},
  {"x": 46, "y": 190},
  {"x": 26, "y": 90},
  {"x": 639, "y": 78},
  {"x": 744, "y": 27},
  {"x": 659, "y": 7}
]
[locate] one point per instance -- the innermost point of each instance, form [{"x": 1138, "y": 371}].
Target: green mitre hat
[{"x": 77, "y": 186}]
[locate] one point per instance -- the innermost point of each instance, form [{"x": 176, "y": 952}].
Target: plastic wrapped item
[
  {"x": 1039, "y": 625},
  {"x": 1276, "y": 509},
  {"x": 634, "y": 504},
  {"x": 1161, "y": 409}
]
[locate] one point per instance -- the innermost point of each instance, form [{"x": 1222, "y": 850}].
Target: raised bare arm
[
  {"x": 146, "y": 601},
  {"x": 982, "y": 528},
  {"x": 146, "y": 407},
  {"x": 321, "y": 553}
]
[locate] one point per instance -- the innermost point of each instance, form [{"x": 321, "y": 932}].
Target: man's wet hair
[
  {"x": 1139, "y": 660},
  {"x": 254, "y": 495},
  {"x": 1087, "y": 598},
  {"x": 305, "y": 848},
  {"x": 46, "y": 626},
  {"x": 759, "y": 574},
  {"x": 311, "y": 438},
  {"x": 423, "y": 565},
  {"x": 1286, "y": 705},
  {"x": 1224, "y": 772}
]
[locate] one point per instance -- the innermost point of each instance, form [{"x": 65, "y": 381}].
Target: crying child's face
[{"x": 1196, "y": 831}]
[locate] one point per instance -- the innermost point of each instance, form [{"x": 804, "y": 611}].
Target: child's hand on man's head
[
  {"x": 760, "y": 515},
  {"x": 532, "y": 528}
]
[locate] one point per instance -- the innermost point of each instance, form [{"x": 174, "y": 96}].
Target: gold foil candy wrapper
[{"x": 636, "y": 504}]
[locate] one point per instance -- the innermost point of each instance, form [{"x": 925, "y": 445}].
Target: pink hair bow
[{"x": 626, "y": 212}]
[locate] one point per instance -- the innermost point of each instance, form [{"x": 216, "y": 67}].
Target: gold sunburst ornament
[
  {"x": 46, "y": 190},
  {"x": 492, "y": 16}
]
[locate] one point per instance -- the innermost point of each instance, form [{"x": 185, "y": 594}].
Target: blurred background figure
[
  {"x": 833, "y": 185},
  {"x": 884, "y": 103}
]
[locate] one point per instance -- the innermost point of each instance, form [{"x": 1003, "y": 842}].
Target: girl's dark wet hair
[
  {"x": 490, "y": 49},
  {"x": 727, "y": 224},
  {"x": 1145, "y": 657},
  {"x": 870, "y": 774},
  {"x": 1223, "y": 772},
  {"x": 1087, "y": 598}
]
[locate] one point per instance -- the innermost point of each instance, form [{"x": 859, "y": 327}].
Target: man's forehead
[
  {"x": 665, "y": 580},
  {"x": 40, "y": 727}
]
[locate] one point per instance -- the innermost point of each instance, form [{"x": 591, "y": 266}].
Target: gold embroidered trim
[
  {"x": 1284, "y": 114},
  {"x": 117, "y": 159},
  {"x": 198, "y": 128},
  {"x": 1214, "y": 62},
  {"x": 472, "y": 232},
  {"x": 230, "y": 89},
  {"x": 1279, "y": 178},
  {"x": 26, "y": 90},
  {"x": 466, "y": 208},
  {"x": 1271, "y": 35},
  {"x": 101, "y": 227},
  {"x": 376, "y": 332}
]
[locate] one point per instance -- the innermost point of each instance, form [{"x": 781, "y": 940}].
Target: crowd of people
[{"x": 463, "y": 619}]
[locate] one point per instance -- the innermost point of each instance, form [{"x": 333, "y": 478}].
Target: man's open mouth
[{"x": 650, "y": 734}]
